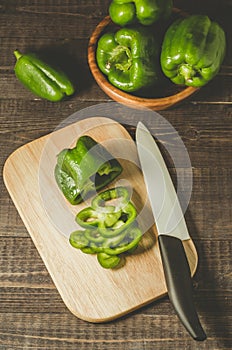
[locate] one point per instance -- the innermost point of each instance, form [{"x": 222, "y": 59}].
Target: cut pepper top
[
  {"x": 129, "y": 58},
  {"x": 85, "y": 168}
]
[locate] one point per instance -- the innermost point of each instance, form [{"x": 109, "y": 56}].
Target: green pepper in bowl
[
  {"x": 193, "y": 50},
  {"x": 129, "y": 58},
  {"x": 145, "y": 12}
]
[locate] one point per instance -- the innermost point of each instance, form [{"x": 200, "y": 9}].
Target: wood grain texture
[
  {"x": 32, "y": 313},
  {"x": 90, "y": 292}
]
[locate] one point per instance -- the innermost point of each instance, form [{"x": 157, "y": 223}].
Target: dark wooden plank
[
  {"x": 101, "y": 337},
  {"x": 23, "y": 121},
  {"x": 32, "y": 313},
  {"x": 133, "y": 329},
  {"x": 42, "y": 26},
  {"x": 70, "y": 7},
  {"x": 198, "y": 126},
  {"x": 28, "y": 271},
  {"x": 131, "y": 333},
  {"x": 143, "y": 344},
  {"x": 74, "y": 50}
]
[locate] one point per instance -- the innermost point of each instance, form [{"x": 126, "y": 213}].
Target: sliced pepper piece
[
  {"x": 110, "y": 220},
  {"x": 129, "y": 58},
  {"x": 109, "y": 230},
  {"x": 84, "y": 169},
  {"x": 193, "y": 50},
  {"x": 93, "y": 236},
  {"x": 42, "y": 79},
  {"x": 131, "y": 240},
  {"x": 109, "y": 242},
  {"x": 119, "y": 196},
  {"x": 146, "y": 12},
  {"x": 108, "y": 261},
  {"x": 89, "y": 218},
  {"x": 88, "y": 250},
  {"x": 126, "y": 241},
  {"x": 91, "y": 242},
  {"x": 78, "y": 240}
]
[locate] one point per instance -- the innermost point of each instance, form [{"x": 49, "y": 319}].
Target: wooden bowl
[{"x": 170, "y": 95}]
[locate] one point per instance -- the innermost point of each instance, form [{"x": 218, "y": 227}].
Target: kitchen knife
[{"x": 172, "y": 230}]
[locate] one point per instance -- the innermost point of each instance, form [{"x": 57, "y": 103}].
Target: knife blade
[{"x": 172, "y": 230}]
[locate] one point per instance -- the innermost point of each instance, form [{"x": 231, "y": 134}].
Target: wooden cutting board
[{"x": 89, "y": 291}]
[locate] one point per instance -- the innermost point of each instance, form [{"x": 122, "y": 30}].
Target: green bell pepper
[
  {"x": 85, "y": 168},
  {"x": 42, "y": 79},
  {"x": 193, "y": 50},
  {"x": 129, "y": 58},
  {"x": 146, "y": 12}
]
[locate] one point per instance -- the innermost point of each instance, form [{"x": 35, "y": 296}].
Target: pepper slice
[
  {"x": 129, "y": 58},
  {"x": 110, "y": 227},
  {"x": 78, "y": 240},
  {"x": 89, "y": 218},
  {"x": 84, "y": 169},
  {"x": 91, "y": 242},
  {"x": 119, "y": 195},
  {"x": 146, "y": 12},
  {"x": 42, "y": 79},
  {"x": 108, "y": 261},
  {"x": 110, "y": 220},
  {"x": 103, "y": 243},
  {"x": 131, "y": 240}
]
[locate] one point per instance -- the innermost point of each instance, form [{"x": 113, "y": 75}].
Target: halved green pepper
[
  {"x": 84, "y": 169},
  {"x": 42, "y": 79},
  {"x": 129, "y": 58},
  {"x": 193, "y": 50},
  {"x": 146, "y": 12}
]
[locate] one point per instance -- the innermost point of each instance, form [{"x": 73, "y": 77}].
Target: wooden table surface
[{"x": 32, "y": 313}]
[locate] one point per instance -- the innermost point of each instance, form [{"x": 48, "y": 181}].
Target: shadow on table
[
  {"x": 208, "y": 294},
  {"x": 73, "y": 62}
]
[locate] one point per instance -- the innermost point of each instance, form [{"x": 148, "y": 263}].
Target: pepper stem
[
  {"x": 17, "y": 54},
  {"x": 121, "y": 56},
  {"x": 187, "y": 72}
]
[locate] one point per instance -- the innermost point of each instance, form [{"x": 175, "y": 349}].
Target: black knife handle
[{"x": 179, "y": 284}]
